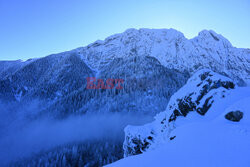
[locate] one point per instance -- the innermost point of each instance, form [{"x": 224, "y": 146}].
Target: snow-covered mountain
[
  {"x": 206, "y": 123},
  {"x": 154, "y": 64},
  {"x": 61, "y": 78},
  {"x": 173, "y": 50}
]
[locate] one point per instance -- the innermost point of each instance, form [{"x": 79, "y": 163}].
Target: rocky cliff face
[{"x": 197, "y": 96}]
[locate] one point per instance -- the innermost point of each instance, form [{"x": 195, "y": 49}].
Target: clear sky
[{"x": 36, "y": 28}]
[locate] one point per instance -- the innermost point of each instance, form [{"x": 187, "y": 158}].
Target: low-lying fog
[{"x": 20, "y": 138}]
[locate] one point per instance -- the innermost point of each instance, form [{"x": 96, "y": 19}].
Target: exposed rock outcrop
[
  {"x": 197, "y": 96},
  {"x": 234, "y": 116}
]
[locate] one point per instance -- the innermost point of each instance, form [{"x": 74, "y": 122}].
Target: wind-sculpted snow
[{"x": 197, "y": 95}]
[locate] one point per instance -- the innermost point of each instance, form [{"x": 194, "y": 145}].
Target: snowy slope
[
  {"x": 197, "y": 96},
  {"x": 209, "y": 140},
  {"x": 9, "y": 67}
]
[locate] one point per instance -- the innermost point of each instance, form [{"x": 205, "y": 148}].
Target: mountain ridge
[
  {"x": 207, "y": 50},
  {"x": 173, "y": 50}
]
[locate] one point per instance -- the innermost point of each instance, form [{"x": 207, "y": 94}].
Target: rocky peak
[{"x": 209, "y": 36}]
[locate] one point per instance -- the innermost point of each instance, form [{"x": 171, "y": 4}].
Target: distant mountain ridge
[{"x": 174, "y": 51}]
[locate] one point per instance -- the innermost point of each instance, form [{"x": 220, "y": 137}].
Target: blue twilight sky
[{"x": 36, "y": 28}]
